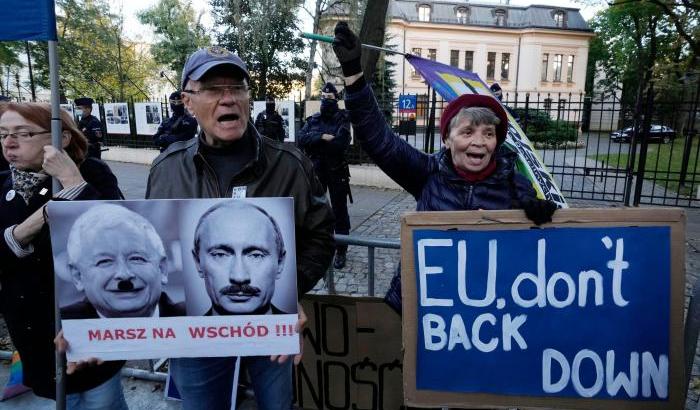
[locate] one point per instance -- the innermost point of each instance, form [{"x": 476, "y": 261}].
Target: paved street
[{"x": 376, "y": 213}]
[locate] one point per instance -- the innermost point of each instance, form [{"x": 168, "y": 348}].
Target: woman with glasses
[{"x": 26, "y": 262}]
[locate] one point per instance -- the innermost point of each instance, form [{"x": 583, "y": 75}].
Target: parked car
[{"x": 660, "y": 133}]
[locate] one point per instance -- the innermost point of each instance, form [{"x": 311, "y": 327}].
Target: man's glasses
[
  {"x": 20, "y": 135},
  {"x": 217, "y": 91}
]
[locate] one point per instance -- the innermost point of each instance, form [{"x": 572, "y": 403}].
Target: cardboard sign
[
  {"x": 176, "y": 278},
  {"x": 582, "y": 313},
  {"x": 352, "y": 355}
]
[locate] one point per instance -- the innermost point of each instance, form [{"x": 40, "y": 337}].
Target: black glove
[
  {"x": 539, "y": 211},
  {"x": 347, "y": 48}
]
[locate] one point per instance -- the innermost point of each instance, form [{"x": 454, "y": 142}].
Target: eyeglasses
[
  {"x": 21, "y": 135},
  {"x": 217, "y": 91}
]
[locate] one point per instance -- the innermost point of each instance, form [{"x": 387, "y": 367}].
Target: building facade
[{"x": 536, "y": 49}]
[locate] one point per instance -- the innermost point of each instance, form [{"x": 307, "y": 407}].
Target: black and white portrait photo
[{"x": 121, "y": 264}]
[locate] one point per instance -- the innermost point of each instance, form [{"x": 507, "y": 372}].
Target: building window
[
  {"x": 559, "y": 18},
  {"x": 417, "y": 52},
  {"x": 490, "y": 66},
  {"x": 432, "y": 54},
  {"x": 547, "y": 104},
  {"x": 454, "y": 58},
  {"x": 462, "y": 15},
  {"x": 505, "y": 65},
  {"x": 545, "y": 66},
  {"x": 424, "y": 13},
  {"x": 469, "y": 60},
  {"x": 557, "y": 67},
  {"x": 500, "y": 17},
  {"x": 570, "y": 70}
]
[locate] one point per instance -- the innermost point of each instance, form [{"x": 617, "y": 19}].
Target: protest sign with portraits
[{"x": 176, "y": 278}]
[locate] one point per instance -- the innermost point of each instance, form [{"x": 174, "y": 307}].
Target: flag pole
[
  {"x": 329, "y": 39},
  {"x": 56, "y": 132}
]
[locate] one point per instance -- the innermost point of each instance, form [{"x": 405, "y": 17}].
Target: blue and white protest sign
[{"x": 566, "y": 312}]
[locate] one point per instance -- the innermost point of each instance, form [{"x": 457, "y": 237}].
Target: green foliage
[
  {"x": 9, "y": 60},
  {"x": 622, "y": 47},
  {"x": 384, "y": 85},
  {"x": 663, "y": 164},
  {"x": 555, "y": 132},
  {"x": 178, "y": 31},
  {"x": 95, "y": 58},
  {"x": 264, "y": 33},
  {"x": 537, "y": 120},
  {"x": 541, "y": 128}
]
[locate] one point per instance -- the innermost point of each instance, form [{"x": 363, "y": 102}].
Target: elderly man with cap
[
  {"x": 229, "y": 158},
  {"x": 325, "y": 138},
  {"x": 90, "y": 126},
  {"x": 269, "y": 123},
  {"x": 472, "y": 171},
  {"x": 181, "y": 126}
]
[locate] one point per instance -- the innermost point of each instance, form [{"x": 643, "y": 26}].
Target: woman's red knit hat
[{"x": 475, "y": 100}]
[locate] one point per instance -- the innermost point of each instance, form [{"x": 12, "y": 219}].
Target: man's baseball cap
[{"x": 204, "y": 59}]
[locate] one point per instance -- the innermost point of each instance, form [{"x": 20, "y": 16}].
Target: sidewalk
[{"x": 375, "y": 213}]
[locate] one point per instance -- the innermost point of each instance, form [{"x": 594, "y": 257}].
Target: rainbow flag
[
  {"x": 14, "y": 385},
  {"x": 451, "y": 82}
]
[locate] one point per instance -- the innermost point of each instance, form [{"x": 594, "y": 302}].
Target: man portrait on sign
[
  {"x": 239, "y": 252},
  {"x": 116, "y": 257}
]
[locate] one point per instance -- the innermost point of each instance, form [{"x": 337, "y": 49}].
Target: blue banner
[
  {"x": 556, "y": 312},
  {"x": 28, "y": 20}
]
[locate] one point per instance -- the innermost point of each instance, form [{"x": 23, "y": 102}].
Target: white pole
[{"x": 56, "y": 132}]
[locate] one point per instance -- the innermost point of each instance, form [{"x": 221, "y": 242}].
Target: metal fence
[
  {"x": 590, "y": 145},
  {"x": 574, "y": 135}
]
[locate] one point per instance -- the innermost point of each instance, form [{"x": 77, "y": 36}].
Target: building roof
[{"x": 533, "y": 16}]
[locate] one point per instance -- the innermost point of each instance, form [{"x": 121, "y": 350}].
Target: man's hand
[
  {"x": 347, "y": 49},
  {"x": 327, "y": 137},
  {"x": 72, "y": 367},
  {"x": 298, "y": 328}
]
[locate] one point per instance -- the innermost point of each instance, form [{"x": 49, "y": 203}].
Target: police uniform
[
  {"x": 179, "y": 127},
  {"x": 91, "y": 127},
  {"x": 329, "y": 161},
  {"x": 271, "y": 125}
]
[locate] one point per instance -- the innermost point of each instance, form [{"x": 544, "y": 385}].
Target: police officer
[
  {"x": 179, "y": 127},
  {"x": 269, "y": 123},
  {"x": 90, "y": 126},
  {"x": 325, "y": 138}
]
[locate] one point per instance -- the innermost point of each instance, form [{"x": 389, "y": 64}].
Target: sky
[{"x": 136, "y": 30}]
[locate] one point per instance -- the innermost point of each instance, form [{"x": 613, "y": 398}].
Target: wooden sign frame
[{"x": 568, "y": 218}]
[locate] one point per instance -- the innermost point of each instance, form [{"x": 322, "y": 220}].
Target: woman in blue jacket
[{"x": 472, "y": 171}]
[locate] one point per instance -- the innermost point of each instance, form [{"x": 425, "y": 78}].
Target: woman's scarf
[
  {"x": 25, "y": 183},
  {"x": 478, "y": 176}
]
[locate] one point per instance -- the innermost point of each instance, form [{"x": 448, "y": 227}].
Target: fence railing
[{"x": 584, "y": 140}]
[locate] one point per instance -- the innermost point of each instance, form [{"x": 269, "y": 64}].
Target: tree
[
  {"x": 383, "y": 85},
  {"x": 9, "y": 63},
  {"x": 264, "y": 33},
  {"x": 95, "y": 57},
  {"x": 178, "y": 31},
  {"x": 321, "y": 8}
]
